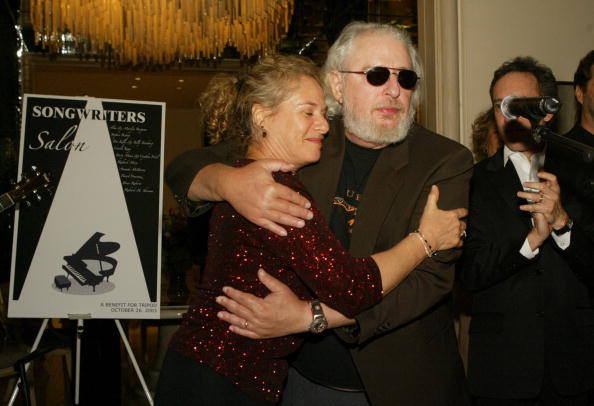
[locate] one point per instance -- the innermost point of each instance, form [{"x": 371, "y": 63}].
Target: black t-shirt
[{"x": 324, "y": 358}]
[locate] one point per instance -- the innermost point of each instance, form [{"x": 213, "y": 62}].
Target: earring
[{"x": 263, "y": 131}]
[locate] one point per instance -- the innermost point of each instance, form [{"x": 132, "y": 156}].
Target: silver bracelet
[{"x": 428, "y": 249}]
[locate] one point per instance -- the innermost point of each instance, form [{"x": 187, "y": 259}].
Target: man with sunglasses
[{"x": 372, "y": 183}]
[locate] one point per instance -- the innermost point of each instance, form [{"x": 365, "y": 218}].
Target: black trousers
[{"x": 185, "y": 382}]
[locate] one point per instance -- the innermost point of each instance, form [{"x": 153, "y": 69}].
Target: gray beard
[{"x": 367, "y": 130}]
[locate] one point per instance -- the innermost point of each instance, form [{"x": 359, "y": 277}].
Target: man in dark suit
[
  {"x": 528, "y": 260},
  {"x": 579, "y": 175},
  {"x": 371, "y": 183},
  {"x": 583, "y": 82}
]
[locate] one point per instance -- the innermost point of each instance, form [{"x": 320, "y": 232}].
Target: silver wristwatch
[{"x": 318, "y": 322}]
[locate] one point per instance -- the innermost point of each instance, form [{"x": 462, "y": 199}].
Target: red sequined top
[{"x": 310, "y": 260}]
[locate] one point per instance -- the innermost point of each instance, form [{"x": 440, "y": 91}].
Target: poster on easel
[{"x": 93, "y": 247}]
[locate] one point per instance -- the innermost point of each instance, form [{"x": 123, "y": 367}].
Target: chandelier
[{"x": 162, "y": 31}]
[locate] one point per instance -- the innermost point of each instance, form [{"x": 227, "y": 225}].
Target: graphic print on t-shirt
[
  {"x": 357, "y": 165},
  {"x": 349, "y": 205}
]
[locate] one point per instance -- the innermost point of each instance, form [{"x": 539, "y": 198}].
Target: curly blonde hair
[
  {"x": 227, "y": 101},
  {"x": 483, "y": 124}
]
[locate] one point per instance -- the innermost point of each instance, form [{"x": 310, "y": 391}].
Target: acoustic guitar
[{"x": 29, "y": 187}]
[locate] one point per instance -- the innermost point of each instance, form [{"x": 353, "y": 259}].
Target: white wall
[{"x": 557, "y": 33}]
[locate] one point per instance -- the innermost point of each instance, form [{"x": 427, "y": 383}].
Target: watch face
[
  {"x": 318, "y": 325},
  {"x": 319, "y": 322}
]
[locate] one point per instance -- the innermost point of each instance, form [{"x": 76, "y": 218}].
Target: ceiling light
[{"x": 163, "y": 31}]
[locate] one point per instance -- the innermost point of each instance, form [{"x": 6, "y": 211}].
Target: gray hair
[{"x": 343, "y": 46}]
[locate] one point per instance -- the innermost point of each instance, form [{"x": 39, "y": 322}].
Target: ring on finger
[{"x": 245, "y": 324}]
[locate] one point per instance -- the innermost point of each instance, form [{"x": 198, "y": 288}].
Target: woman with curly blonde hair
[{"x": 485, "y": 139}]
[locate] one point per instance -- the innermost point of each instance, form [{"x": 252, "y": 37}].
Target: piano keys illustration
[{"x": 90, "y": 265}]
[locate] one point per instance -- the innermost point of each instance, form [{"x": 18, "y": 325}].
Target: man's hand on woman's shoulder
[{"x": 254, "y": 194}]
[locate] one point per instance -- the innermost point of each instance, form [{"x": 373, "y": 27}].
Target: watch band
[
  {"x": 566, "y": 228},
  {"x": 318, "y": 322}
]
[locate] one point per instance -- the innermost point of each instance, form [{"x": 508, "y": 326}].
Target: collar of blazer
[
  {"x": 383, "y": 184},
  {"x": 506, "y": 184}
]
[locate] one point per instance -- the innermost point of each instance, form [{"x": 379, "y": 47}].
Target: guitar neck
[
  {"x": 24, "y": 189},
  {"x": 5, "y": 202}
]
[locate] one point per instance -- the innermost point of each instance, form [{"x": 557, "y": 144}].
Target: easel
[{"x": 79, "y": 331}]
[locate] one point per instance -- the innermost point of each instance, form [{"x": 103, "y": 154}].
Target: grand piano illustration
[{"x": 90, "y": 265}]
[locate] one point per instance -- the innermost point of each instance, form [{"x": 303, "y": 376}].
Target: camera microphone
[{"x": 529, "y": 107}]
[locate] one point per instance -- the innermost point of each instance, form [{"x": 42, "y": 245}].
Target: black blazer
[{"x": 527, "y": 315}]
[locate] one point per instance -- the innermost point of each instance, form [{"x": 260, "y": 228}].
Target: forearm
[
  {"x": 182, "y": 171},
  {"x": 535, "y": 240},
  {"x": 396, "y": 263},
  {"x": 207, "y": 186},
  {"x": 335, "y": 318}
]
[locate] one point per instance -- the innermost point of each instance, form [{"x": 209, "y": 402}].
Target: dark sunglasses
[{"x": 378, "y": 75}]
